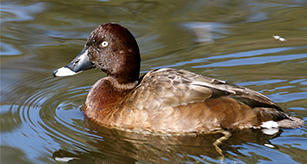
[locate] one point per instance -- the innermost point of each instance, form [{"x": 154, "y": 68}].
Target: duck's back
[{"x": 169, "y": 100}]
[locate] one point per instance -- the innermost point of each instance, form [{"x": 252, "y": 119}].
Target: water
[{"x": 41, "y": 116}]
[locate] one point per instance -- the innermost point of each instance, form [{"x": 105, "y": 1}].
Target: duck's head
[{"x": 110, "y": 48}]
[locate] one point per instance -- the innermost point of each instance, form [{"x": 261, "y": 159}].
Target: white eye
[{"x": 104, "y": 44}]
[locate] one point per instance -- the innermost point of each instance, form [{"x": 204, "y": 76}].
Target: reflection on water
[
  {"x": 41, "y": 116},
  {"x": 124, "y": 147}
]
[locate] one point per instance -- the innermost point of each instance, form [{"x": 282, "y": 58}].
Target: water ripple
[
  {"x": 255, "y": 60},
  {"x": 49, "y": 114},
  {"x": 14, "y": 12}
]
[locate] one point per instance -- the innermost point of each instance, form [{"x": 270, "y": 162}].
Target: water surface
[{"x": 41, "y": 116}]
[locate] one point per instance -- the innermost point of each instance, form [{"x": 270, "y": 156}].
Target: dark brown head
[{"x": 111, "y": 48}]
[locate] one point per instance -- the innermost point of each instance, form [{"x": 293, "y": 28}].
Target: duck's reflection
[{"x": 116, "y": 146}]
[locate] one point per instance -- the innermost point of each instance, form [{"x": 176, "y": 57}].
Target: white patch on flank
[
  {"x": 224, "y": 88},
  {"x": 270, "y": 125},
  {"x": 271, "y": 131},
  {"x": 64, "y": 72}
]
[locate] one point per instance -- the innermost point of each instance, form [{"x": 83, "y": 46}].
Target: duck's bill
[{"x": 79, "y": 64}]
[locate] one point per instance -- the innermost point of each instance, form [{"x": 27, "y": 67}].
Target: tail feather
[{"x": 291, "y": 122}]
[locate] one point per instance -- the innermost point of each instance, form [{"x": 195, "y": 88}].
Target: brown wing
[
  {"x": 169, "y": 100},
  {"x": 168, "y": 87}
]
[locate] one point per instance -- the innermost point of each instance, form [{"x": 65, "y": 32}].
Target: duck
[{"x": 164, "y": 100}]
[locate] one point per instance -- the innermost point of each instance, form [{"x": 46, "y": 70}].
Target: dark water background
[{"x": 41, "y": 116}]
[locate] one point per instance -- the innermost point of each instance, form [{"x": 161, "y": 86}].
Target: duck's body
[
  {"x": 169, "y": 100},
  {"x": 164, "y": 100}
]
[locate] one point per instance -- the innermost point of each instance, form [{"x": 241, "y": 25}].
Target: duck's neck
[
  {"x": 128, "y": 74},
  {"x": 125, "y": 79}
]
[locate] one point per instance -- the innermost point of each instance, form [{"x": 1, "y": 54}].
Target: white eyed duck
[{"x": 164, "y": 100}]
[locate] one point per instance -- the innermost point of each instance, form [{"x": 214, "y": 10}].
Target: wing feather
[{"x": 170, "y": 87}]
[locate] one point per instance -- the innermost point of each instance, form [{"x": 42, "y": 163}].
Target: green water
[{"x": 41, "y": 116}]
